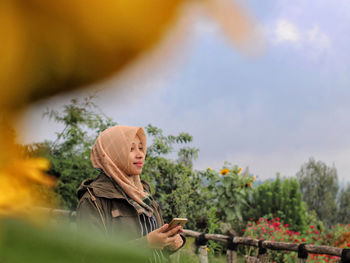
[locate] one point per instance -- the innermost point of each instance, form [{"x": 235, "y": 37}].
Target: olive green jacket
[{"x": 120, "y": 217}]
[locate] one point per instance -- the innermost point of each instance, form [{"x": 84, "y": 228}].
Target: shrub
[{"x": 275, "y": 230}]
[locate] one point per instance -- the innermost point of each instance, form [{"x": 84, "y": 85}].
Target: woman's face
[{"x": 136, "y": 157}]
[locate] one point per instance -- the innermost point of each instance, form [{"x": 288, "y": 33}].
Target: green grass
[{"x": 187, "y": 254}]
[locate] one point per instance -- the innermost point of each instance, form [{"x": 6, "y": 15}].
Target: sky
[{"x": 270, "y": 112}]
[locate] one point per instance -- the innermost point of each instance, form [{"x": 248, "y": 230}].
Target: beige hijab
[{"x": 110, "y": 153}]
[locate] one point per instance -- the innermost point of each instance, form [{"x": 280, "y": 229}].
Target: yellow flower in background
[
  {"x": 239, "y": 170},
  {"x": 224, "y": 171},
  {"x": 208, "y": 249}
]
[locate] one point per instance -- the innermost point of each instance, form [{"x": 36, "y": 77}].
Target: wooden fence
[{"x": 232, "y": 242}]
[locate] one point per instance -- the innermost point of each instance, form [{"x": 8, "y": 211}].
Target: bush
[{"x": 279, "y": 198}]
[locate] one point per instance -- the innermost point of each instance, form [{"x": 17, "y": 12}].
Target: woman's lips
[{"x": 139, "y": 164}]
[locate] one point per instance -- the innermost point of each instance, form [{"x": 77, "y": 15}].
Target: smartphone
[{"x": 177, "y": 221}]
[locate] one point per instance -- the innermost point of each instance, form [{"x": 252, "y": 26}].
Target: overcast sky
[{"x": 269, "y": 112}]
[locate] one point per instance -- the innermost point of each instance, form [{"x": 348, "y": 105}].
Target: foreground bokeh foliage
[{"x": 21, "y": 241}]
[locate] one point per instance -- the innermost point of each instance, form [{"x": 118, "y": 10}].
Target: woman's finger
[
  {"x": 171, "y": 240},
  {"x": 163, "y": 228},
  {"x": 173, "y": 231}
]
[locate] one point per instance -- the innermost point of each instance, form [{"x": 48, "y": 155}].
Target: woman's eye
[{"x": 132, "y": 149}]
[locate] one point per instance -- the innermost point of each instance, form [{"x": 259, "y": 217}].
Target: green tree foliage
[
  {"x": 319, "y": 186},
  {"x": 344, "y": 205},
  {"x": 69, "y": 154},
  {"x": 280, "y": 198}
]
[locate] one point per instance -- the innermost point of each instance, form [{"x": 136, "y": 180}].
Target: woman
[{"x": 117, "y": 201}]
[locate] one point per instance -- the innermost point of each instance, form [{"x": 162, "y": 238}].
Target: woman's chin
[{"x": 135, "y": 172}]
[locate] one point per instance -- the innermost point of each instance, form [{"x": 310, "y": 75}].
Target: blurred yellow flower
[
  {"x": 208, "y": 249},
  {"x": 57, "y": 46},
  {"x": 224, "y": 171},
  {"x": 17, "y": 185},
  {"x": 20, "y": 176},
  {"x": 239, "y": 170}
]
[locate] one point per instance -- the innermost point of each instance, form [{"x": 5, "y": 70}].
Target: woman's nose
[{"x": 139, "y": 154}]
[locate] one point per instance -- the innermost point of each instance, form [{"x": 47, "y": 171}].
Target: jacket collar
[{"x": 102, "y": 186}]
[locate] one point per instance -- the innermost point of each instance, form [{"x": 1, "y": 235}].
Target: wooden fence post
[
  {"x": 262, "y": 253},
  {"x": 345, "y": 255},
  {"x": 231, "y": 252},
  {"x": 201, "y": 243},
  {"x": 302, "y": 253},
  {"x": 231, "y": 256},
  {"x": 203, "y": 254}
]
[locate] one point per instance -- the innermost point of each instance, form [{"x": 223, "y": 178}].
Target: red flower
[
  {"x": 312, "y": 227},
  {"x": 303, "y": 240}
]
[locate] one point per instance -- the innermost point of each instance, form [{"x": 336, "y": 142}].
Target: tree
[
  {"x": 319, "y": 186},
  {"x": 69, "y": 154},
  {"x": 173, "y": 182},
  {"x": 344, "y": 205}
]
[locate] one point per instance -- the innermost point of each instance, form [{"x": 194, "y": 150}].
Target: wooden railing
[
  {"x": 231, "y": 254},
  {"x": 233, "y": 241}
]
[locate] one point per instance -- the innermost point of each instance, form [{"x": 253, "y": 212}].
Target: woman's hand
[
  {"x": 161, "y": 238},
  {"x": 178, "y": 241}
]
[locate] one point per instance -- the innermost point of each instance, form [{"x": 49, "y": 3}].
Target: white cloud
[
  {"x": 286, "y": 31},
  {"x": 310, "y": 40},
  {"x": 318, "y": 39}
]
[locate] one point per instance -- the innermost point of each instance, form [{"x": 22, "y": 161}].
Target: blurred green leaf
[{"x": 23, "y": 242}]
